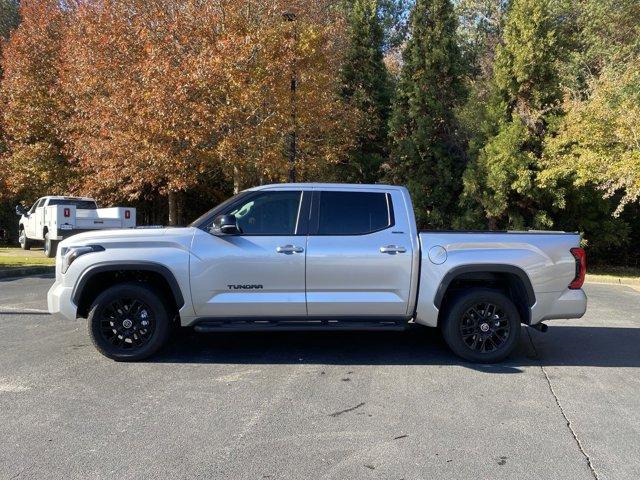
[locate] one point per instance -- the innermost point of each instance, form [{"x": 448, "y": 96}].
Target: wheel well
[
  {"x": 44, "y": 231},
  {"x": 100, "y": 281},
  {"x": 509, "y": 283}
]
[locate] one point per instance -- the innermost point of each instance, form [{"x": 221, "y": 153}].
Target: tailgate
[{"x": 117, "y": 217}]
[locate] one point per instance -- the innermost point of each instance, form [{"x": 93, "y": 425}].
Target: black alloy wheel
[
  {"x": 129, "y": 321},
  {"x": 484, "y": 327},
  {"x": 481, "y": 325}
]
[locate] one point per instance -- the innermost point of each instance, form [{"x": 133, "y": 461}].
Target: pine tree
[
  {"x": 427, "y": 151},
  {"x": 367, "y": 86},
  {"x": 527, "y": 95}
]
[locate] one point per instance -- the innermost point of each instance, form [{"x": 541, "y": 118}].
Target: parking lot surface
[{"x": 320, "y": 405}]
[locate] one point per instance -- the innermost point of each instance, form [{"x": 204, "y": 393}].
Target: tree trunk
[
  {"x": 236, "y": 180},
  {"x": 180, "y": 209},
  {"x": 173, "y": 208}
]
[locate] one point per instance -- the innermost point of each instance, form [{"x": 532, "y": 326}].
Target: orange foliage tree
[
  {"x": 161, "y": 91},
  {"x": 31, "y": 113}
]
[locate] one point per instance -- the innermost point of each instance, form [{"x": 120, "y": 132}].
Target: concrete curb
[
  {"x": 613, "y": 279},
  {"x": 26, "y": 271}
]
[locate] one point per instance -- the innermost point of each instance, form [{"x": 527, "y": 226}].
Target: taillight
[
  {"x": 127, "y": 214},
  {"x": 581, "y": 267},
  {"x": 67, "y": 212}
]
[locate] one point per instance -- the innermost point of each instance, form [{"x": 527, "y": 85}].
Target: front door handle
[
  {"x": 392, "y": 249},
  {"x": 289, "y": 249}
]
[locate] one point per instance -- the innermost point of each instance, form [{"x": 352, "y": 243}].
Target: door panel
[
  {"x": 38, "y": 221},
  {"x": 365, "y": 274},
  {"x": 30, "y": 224},
  {"x": 259, "y": 272},
  {"x": 244, "y": 276},
  {"x": 349, "y": 276}
]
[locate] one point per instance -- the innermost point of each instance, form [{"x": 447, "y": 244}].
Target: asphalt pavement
[{"x": 320, "y": 405}]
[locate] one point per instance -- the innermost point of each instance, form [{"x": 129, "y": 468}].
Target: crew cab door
[
  {"x": 359, "y": 254},
  {"x": 260, "y": 272},
  {"x": 33, "y": 225}
]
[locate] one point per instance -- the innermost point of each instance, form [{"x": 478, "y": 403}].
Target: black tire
[
  {"x": 481, "y": 325},
  {"x": 50, "y": 246},
  {"x": 121, "y": 338},
  {"x": 25, "y": 243}
]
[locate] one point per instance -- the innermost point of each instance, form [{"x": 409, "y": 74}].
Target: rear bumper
[
  {"x": 63, "y": 234},
  {"x": 59, "y": 301},
  {"x": 568, "y": 304}
]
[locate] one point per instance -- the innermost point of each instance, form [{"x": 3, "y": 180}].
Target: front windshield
[{"x": 204, "y": 221}]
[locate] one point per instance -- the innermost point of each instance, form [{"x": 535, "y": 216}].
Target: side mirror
[
  {"x": 20, "y": 210},
  {"x": 226, "y": 224}
]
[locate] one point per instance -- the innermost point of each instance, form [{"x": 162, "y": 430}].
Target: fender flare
[
  {"x": 102, "y": 267},
  {"x": 485, "y": 268}
]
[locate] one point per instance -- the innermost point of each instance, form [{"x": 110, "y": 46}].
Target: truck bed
[{"x": 543, "y": 258}]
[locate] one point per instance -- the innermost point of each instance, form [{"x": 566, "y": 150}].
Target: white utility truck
[{"x": 51, "y": 219}]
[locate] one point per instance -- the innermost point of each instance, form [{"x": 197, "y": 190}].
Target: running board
[{"x": 210, "y": 325}]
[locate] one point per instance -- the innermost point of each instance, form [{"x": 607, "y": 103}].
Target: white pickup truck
[
  {"x": 51, "y": 219},
  {"x": 316, "y": 257}
]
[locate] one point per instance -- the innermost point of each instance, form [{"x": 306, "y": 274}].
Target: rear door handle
[
  {"x": 289, "y": 249},
  {"x": 392, "y": 249}
]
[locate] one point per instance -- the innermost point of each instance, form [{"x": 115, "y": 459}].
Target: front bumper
[{"x": 59, "y": 300}]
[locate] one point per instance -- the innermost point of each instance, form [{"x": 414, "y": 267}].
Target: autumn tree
[
  {"x": 262, "y": 109},
  {"x": 9, "y": 20},
  {"x": 143, "y": 84},
  {"x": 427, "y": 152},
  {"x": 32, "y": 114},
  {"x": 164, "y": 92}
]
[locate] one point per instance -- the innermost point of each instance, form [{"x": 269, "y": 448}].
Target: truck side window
[
  {"x": 38, "y": 203},
  {"x": 354, "y": 213},
  {"x": 269, "y": 213}
]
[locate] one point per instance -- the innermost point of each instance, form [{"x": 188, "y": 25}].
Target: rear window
[
  {"x": 79, "y": 204},
  {"x": 354, "y": 213}
]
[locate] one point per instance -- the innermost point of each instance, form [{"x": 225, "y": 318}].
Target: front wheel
[
  {"x": 50, "y": 246},
  {"x": 482, "y": 325},
  {"x": 129, "y": 322},
  {"x": 25, "y": 243}
]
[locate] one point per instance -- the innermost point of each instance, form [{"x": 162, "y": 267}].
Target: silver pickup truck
[{"x": 316, "y": 257}]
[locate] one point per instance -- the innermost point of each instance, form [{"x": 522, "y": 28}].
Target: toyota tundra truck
[{"x": 316, "y": 257}]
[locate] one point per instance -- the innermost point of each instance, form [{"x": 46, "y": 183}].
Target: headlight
[{"x": 69, "y": 254}]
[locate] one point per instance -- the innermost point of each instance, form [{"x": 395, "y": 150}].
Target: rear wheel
[
  {"x": 129, "y": 322},
  {"x": 25, "y": 243},
  {"x": 481, "y": 325},
  {"x": 50, "y": 246}
]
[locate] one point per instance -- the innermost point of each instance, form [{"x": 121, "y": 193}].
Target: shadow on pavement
[
  {"x": 23, "y": 312},
  {"x": 561, "y": 346},
  {"x": 50, "y": 276}
]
